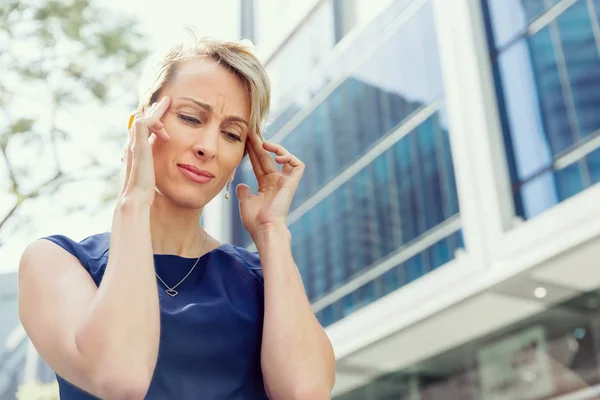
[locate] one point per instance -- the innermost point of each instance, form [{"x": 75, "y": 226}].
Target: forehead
[{"x": 207, "y": 80}]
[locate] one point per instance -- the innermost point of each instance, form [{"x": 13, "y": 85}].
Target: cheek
[{"x": 229, "y": 163}]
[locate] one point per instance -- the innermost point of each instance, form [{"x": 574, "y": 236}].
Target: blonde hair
[{"x": 237, "y": 57}]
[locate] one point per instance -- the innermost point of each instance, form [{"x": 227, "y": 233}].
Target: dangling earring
[{"x": 227, "y": 193}]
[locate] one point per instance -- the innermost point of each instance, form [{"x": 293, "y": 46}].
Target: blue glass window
[
  {"x": 380, "y": 94},
  {"x": 414, "y": 268},
  {"x": 392, "y": 280},
  {"x": 582, "y": 62},
  {"x": 549, "y": 96},
  {"x": 367, "y": 294},
  {"x": 440, "y": 253},
  {"x": 348, "y": 304},
  {"x": 381, "y": 181},
  {"x": 569, "y": 181},
  {"x": 388, "y": 204},
  {"x": 404, "y": 188},
  {"x": 430, "y": 173},
  {"x": 594, "y": 165}
]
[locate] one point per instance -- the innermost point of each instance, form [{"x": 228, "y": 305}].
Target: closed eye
[
  {"x": 233, "y": 136},
  {"x": 188, "y": 119}
]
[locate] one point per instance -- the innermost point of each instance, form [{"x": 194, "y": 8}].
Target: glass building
[
  {"x": 447, "y": 226},
  {"x": 12, "y": 353},
  {"x": 546, "y": 61},
  {"x": 19, "y": 363},
  {"x": 380, "y": 174}
]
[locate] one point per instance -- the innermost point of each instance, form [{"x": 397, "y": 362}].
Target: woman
[{"x": 157, "y": 308}]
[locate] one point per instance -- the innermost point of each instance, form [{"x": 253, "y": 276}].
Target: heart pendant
[{"x": 172, "y": 292}]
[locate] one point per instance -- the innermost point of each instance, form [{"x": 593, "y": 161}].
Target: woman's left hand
[{"x": 269, "y": 207}]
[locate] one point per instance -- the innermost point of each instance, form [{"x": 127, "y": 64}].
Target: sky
[
  {"x": 162, "y": 20},
  {"x": 162, "y": 23}
]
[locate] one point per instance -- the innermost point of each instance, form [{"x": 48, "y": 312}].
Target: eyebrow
[{"x": 209, "y": 108}]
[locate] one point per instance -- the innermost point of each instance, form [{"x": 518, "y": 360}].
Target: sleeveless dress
[{"x": 210, "y": 337}]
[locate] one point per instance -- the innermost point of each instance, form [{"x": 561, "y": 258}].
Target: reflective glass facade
[
  {"x": 14, "y": 358},
  {"x": 313, "y": 41},
  {"x": 403, "y": 193},
  {"x": 553, "y": 354},
  {"x": 379, "y": 170},
  {"x": 546, "y": 58},
  {"x": 12, "y": 361}
]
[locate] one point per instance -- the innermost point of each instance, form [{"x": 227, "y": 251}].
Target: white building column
[
  {"x": 217, "y": 217},
  {"x": 483, "y": 181}
]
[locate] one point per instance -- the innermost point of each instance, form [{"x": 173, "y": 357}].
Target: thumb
[{"x": 243, "y": 192}]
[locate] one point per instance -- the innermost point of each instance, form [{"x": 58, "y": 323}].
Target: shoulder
[
  {"x": 91, "y": 248},
  {"x": 250, "y": 259}
]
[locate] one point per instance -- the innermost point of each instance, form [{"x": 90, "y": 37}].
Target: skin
[
  {"x": 105, "y": 339},
  {"x": 210, "y": 140},
  {"x": 297, "y": 358}
]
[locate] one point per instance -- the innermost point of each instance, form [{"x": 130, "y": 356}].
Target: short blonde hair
[{"x": 237, "y": 57}]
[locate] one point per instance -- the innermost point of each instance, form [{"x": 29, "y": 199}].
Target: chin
[{"x": 190, "y": 199}]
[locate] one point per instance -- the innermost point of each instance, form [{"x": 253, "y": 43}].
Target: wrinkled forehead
[{"x": 212, "y": 82}]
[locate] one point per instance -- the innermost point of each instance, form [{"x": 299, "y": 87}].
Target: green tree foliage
[{"x": 57, "y": 56}]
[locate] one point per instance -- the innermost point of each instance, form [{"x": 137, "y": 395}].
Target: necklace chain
[{"x": 171, "y": 290}]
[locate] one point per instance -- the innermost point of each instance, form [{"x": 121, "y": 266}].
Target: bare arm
[
  {"x": 297, "y": 357},
  {"x": 103, "y": 340}
]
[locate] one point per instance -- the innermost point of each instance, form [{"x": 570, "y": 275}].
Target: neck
[{"x": 176, "y": 230}]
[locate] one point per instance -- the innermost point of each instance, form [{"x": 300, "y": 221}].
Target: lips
[{"x": 195, "y": 174}]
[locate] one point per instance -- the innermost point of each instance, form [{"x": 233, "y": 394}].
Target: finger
[
  {"x": 140, "y": 151},
  {"x": 278, "y": 149},
  {"x": 163, "y": 135},
  {"x": 283, "y": 156},
  {"x": 264, "y": 159},
  {"x": 158, "y": 110},
  {"x": 127, "y": 152},
  {"x": 125, "y": 170},
  {"x": 156, "y": 126},
  {"x": 256, "y": 167},
  {"x": 243, "y": 192},
  {"x": 140, "y": 166},
  {"x": 283, "y": 159},
  {"x": 158, "y": 129},
  {"x": 140, "y": 132},
  {"x": 126, "y": 159},
  {"x": 292, "y": 166},
  {"x": 151, "y": 108},
  {"x": 155, "y": 114}
]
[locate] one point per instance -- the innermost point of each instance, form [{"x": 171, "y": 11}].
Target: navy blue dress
[{"x": 211, "y": 332}]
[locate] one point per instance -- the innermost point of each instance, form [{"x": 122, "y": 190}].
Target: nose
[{"x": 205, "y": 146}]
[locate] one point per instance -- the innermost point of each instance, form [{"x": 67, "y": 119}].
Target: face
[{"x": 208, "y": 125}]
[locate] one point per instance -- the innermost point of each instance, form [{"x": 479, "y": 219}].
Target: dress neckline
[{"x": 164, "y": 255}]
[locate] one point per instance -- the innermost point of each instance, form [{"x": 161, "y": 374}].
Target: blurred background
[{"x": 447, "y": 227}]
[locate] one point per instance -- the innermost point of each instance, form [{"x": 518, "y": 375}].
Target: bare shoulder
[
  {"x": 46, "y": 267},
  {"x": 54, "y": 293},
  {"x": 41, "y": 250}
]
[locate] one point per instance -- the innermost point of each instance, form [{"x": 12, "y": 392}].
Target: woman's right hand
[{"x": 138, "y": 175}]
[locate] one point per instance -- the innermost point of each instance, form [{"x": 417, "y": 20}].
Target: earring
[{"x": 227, "y": 193}]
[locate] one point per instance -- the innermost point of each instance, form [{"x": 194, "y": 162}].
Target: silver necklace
[{"x": 171, "y": 290}]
